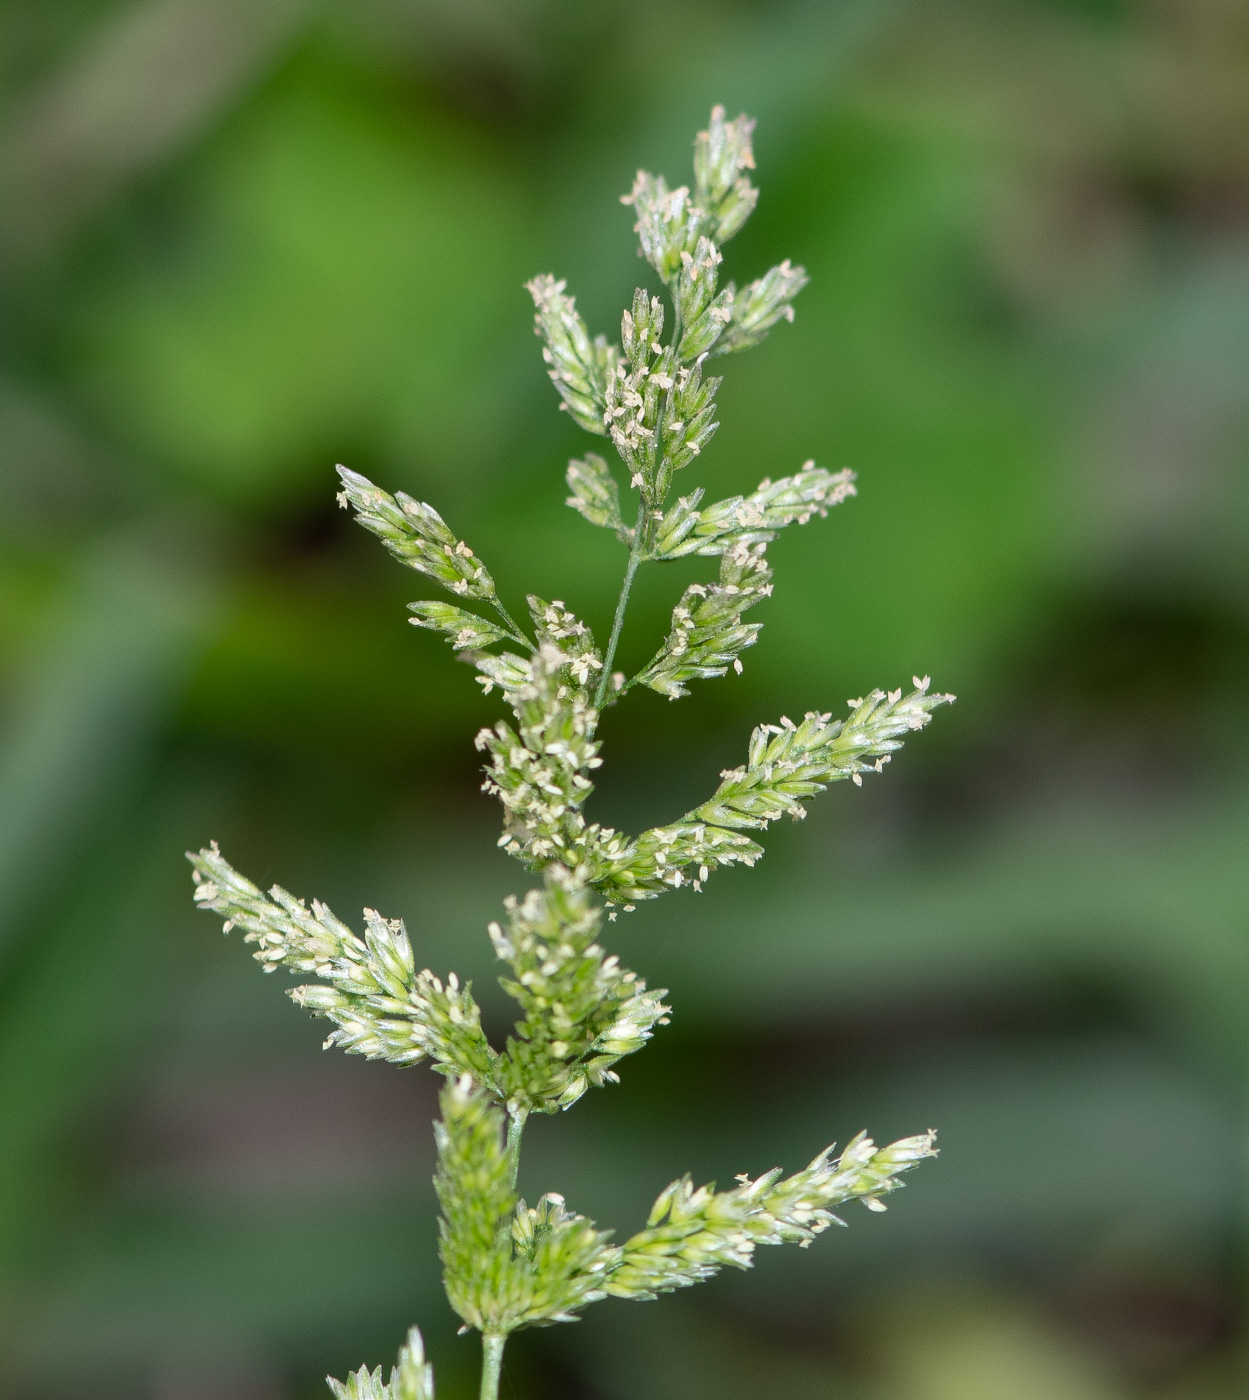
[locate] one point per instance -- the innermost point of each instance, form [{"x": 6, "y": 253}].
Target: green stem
[
  {"x": 635, "y": 558},
  {"x": 508, "y": 620},
  {"x": 635, "y": 550},
  {"x": 491, "y": 1364},
  {"x": 515, "y": 1127}
]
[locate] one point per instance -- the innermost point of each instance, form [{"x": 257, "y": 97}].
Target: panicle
[
  {"x": 507, "y": 1265},
  {"x": 465, "y": 631},
  {"x": 653, "y": 400},
  {"x": 789, "y": 762},
  {"x": 786, "y": 764},
  {"x": 660, "y": 419},
  {"x": 477, "y": 1197},
  {"x": 668, "y": 857},
  {"x": 668, "y": 222},
  {"x": 540, "y": 770},
  {"x": 704, "y": 313},
  {"x": 671, "y": 222}
]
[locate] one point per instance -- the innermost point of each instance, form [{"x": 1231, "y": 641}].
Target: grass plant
[{"x": 508, "y": 1265}]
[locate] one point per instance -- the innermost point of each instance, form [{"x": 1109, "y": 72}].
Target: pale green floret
[
  {"x": 708, "y": 634},
  {"x": 507, "y": 1265},
  {"x": 464, "y": 630},
  {"x": 596, "y": 494},
  {"x": 417, "y": 536},
  {"x": 540, "y": 769},
  {"x": 411, "y": 1379},
  {"x": 757, "y": 308},
  {"x": 582, "y": 1011},
  {"x": 580, "y": 368},
  {"x": 721, "y": 154},
  {"x": 660, "y": 415},
  {"x": 753, "y": 519}
]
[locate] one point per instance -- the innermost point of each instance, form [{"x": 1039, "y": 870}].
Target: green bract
[{"x": 507, "y": 1265}]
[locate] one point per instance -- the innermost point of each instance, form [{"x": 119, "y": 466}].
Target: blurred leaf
[
  {"x": 343, "y": 271},
  {"x": 137, "y": 90},
  {"x": 977, "y": 1349},
  {"x": 84, "y": 712}
]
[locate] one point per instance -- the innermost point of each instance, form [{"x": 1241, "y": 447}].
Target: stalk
[
  {"x": 491, "y": 1364},
  {"x": 509, "y": 621},
  {"x": 635, "y": 551},
  {"x": 635, "y": 558},
  {"x": 515, "y": 1128}
]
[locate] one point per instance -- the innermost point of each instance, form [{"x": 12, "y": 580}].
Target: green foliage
[{"x": 505, "y": 1265}]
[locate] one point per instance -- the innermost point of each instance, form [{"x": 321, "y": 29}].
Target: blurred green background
[{"x": 242, "y": 240}]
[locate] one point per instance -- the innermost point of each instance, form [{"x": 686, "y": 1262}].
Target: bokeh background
[{"x": 242, "y": 240}]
